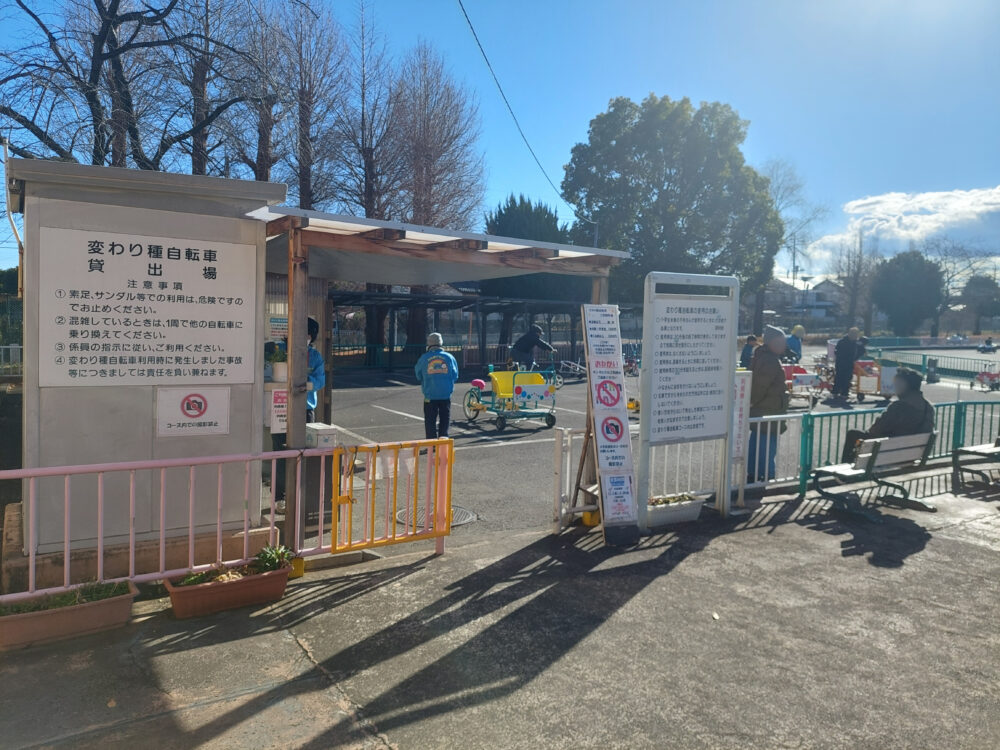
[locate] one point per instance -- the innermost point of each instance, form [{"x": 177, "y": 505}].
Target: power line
[{"x": 517, "y": 124}]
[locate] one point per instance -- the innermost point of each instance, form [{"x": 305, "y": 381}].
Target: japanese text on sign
[
  {"x": 119, "y": 309},
  {"x": 610, "y": 415},
  {"x": 688, "y": 368}
]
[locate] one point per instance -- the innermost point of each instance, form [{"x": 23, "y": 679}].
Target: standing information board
[
  {"x": 741, "y": 425},
  {"x": 609, "y": 422},
  {"x": 688, "y": 366}
]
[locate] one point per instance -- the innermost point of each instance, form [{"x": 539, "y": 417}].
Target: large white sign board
[
  {"x": 688, "y": 357},
  {"x": 124, "y": 309},
  {"x": 182, "y": 412},
  {"x": 609, "y": 415},
  {"x": 688, "y": 367}
]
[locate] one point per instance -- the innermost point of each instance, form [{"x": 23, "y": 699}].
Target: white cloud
[{"x": 897, "y": 219}]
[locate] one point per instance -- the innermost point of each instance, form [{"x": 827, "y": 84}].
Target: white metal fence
[{"x": 11, "y": 362}]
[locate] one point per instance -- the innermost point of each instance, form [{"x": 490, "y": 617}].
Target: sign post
[
  {"x": 609, "y": 425},
  {"x": 741, "y": 426},
  {"x": 688, "y": 361}
]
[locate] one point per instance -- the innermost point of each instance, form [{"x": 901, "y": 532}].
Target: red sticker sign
[
  {"x": 194, "y": 405},
  {"x": 608, "y": 393},
  {"x": 612, "y": 429}
]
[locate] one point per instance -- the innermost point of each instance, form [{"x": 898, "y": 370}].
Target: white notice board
[
  {"x": 609, "y": 414},
  {"x": 183, "y": 412},
  {"x": 685, "y": 345},
  {"x": 741, "y": 415},
  {"x": 125, "y": 309},
  {"x": 688, "y": 367}
]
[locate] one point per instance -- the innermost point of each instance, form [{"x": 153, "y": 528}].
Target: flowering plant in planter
[
  {"x": 87, "y": 609},
  {"x": 260, "y": 581}
]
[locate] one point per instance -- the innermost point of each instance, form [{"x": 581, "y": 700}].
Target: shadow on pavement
[{"x": 550, "y": 576}]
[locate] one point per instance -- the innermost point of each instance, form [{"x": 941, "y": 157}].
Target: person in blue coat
[
  {"x": 436, "y": 372},
  {"x": 316, "y": 375},
  {"x": 793, "y": 344}
]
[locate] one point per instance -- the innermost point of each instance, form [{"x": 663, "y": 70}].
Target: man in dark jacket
[
  {"x": 909, "y": 414},
  {"x": 768, "y": 396},
  {"x": 844, "y": 357},
  {"x": 523, "y": 350}
]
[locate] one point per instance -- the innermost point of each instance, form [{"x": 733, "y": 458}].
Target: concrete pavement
[{"x": 786, "y": 628}]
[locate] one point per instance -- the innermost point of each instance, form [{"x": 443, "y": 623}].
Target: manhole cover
[{"x": 459, "y": 516}]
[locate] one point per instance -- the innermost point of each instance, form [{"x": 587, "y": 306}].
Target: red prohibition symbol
[
  {"x": 608, "y": 393},
  {"x": 194, "y": 405},
  {"x": 612, "y": 429}
]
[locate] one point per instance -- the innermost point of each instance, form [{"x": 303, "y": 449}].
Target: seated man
[{"x": 910, "y": 414}]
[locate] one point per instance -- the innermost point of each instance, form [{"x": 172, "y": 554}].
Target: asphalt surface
[{"x": 787, "y": 628}]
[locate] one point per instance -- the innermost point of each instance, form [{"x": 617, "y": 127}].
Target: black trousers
[
  {"x": 278, "y": 442},
  {"x": 437, "y": 417},
  {"x": 851, "y": 445},
  {"x": 842, "y": 380}
]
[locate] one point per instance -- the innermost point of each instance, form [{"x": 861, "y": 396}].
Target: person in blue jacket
[
  {"x": 316, "y": 375},
  {"x": 436, "y": 372},
  {"x": 793, "y": 344}
]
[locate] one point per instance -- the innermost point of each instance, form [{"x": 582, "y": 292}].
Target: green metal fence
[
  {"x": 958, "y": 423},
  {"x": 947, "y": 364}
]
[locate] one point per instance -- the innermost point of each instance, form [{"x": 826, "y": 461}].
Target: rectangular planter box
[
  {"x": 217, "y": 596},
  {"x": 664, "y": 515},
  {"x": 17, "y": 631}
]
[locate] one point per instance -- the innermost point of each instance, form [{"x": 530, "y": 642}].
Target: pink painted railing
[{"x": 382, "y": 481}]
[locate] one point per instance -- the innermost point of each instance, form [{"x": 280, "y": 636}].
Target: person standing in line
[
  {"x": 436, "y": 371},
  {"x": 746, "y": 356},
  {"x": 768, "y": 396},
  {"x": 844, "y": 356},
  {"x": 794, "y": 343}
]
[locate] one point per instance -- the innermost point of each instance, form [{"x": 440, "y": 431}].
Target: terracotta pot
[
  {"x": 66, "y": 622},
  {"x": 217, "y": 596}
]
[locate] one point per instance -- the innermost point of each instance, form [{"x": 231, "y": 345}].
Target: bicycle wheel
[
  {"x": 469, "y": 403},
  {"x": 557, "y": 380}
]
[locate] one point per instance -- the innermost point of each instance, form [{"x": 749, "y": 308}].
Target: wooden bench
[
  {"x": 875, "y": 458},
  {"x": 980, "y": 454}
]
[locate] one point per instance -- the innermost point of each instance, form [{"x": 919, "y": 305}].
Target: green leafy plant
[
  {"x": 278, "y": 355},
  {"x": 273, "y": 558},
  {"x": 91, "y": 592}
]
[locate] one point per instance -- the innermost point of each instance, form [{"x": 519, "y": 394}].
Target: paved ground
[{"x": 787, "y": 628}]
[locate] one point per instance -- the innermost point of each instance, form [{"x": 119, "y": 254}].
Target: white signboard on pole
[
  {"x": 183, "y": 412},
  {"x": 741, "y": 415},
  {"x": 609, "y": 415},
  {"x": 688, "y": 367},
  {"x": 124, "y": 309}
]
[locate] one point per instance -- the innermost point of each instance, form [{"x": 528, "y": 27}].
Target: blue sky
[{"x": 890, "y": 101}]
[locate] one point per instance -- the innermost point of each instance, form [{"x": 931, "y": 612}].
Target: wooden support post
[
  {"x": 481, "y": 331},
  {"x": 298, "y": 359},
  {"x": 598, "y": 296}
]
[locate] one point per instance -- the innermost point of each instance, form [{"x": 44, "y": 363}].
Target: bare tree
[
  {"x": 440, "y": 130},
  {"x": 371, "y": 163},
  {"x": 958, "y": 263},
  {"x": 87, "y": 86},
  {"x": 370, "y": 160},
  {"x": 439, "y": 127},
  {"x": 204, "y": 68},
  {"x": 854, "y": 266},
  {"x": 313, "y": 67},
  {"x": 251, "y": 130},
  {"x": 798, "y": 215}
]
